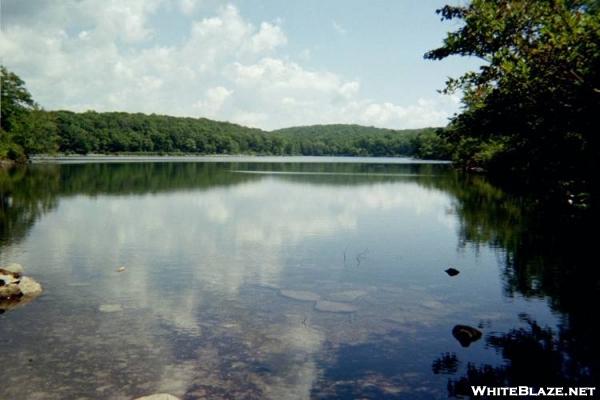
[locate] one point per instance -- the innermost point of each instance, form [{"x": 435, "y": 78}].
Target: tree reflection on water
[
  {"x": 548, "y": 253},
  {"x": 547, "y": 250}
]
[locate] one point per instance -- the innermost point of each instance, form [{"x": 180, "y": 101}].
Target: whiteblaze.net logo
[{"x": 504, "y": 391}]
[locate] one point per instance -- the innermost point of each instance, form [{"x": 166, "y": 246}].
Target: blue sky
[
  {"x": 382, "y": 42},
  {"x": 266, "y": 63}
]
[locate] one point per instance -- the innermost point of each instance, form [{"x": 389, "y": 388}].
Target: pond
[{"x": 276, "y": 278}]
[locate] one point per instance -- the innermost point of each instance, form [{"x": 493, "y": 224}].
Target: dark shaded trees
[
  {"x": 16, "y": 100},
  {"x": 531, "y": 109}
]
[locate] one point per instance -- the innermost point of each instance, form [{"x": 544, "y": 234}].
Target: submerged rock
[
  {"x": 466, "y": 334},
  {"x": 347, "y": 295},
  {"x": 334, "y": 307},
  {"x": 79, "y": 284},
  {"x": 158, "y": 396},
  {"x": 29, "y": 287},
  {"x": 15, "y": 289},
  {"x": 270, "y": 286},
  {"x": 108, "y": 308},
  {"x": 17, "y": 292},
  {"x": 452, "y": 271},
  {"x": 8, "y": 278},
  {"x": 16, "y": 269},
  {"x": 300, "y": 295},
  {"x": 9, "y": 289}
]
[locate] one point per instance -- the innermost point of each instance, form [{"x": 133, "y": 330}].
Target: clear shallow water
[{"x": 212, "y": 249}]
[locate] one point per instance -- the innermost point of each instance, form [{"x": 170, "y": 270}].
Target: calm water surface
[{"x": 216, "y": 252}]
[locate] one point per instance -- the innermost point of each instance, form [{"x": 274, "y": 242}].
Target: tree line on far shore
[
  {"x": 28, "y": 130},
  {"x": 119, "y": 132}
]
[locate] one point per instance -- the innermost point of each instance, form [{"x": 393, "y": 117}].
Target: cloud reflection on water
[{"x": 202, "y": 268}]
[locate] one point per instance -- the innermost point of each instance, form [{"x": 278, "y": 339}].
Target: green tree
[
  {"x": 532, "y": 107},
  {"x": 36, "y": 132},
  {"x": 25, "y": 128},
  {"x": 16, "y": 100}
]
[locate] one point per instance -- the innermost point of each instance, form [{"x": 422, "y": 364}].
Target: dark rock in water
[
  {"x": 466, "y": 334},
  {"x": 452, "y": 271}
]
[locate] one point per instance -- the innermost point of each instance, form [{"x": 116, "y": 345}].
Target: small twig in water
[
  {"x": 345, "y": 250},
  {"x": 360, "y": 257}
]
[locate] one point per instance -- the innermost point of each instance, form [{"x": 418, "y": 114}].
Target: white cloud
[
  {"x": 349, "y": 89},
  {"x": 275, "y": 75},
  {"x": 214, "y": 100},
  {"x": 338, "y": 28},
  {"x": 267, "y": 38},
  {"x": 188, "y": 7},
  {"x": 104, "y": 55},
  {"x": 305, "y": 55},
  {"x": 420, "y": 114},
  {"x": 218, "y": 94}
]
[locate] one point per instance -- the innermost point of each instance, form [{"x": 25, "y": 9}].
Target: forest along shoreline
[{"x": 178, "y": 157}]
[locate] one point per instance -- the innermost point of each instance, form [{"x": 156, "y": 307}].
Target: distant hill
[
  {"x": 120, "y": 132},
  {"x": 358, "y": 140},
  {"x": 333, "y": 130}
]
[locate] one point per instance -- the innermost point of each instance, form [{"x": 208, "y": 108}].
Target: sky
[{"x": 261, "y": 63}]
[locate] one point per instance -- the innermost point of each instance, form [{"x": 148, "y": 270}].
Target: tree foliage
[
  {"x": 30, "y": 130},
  {"x": 118, "y": 132},
  {"x": 25, "y": 128},
  {"x": 36, "y": 133},
  {"x": 356, "y": 140},
  {"x": 532, "y": 106},
  {"x": 16, "y": 100}
]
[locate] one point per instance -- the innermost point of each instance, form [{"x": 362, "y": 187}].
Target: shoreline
[{"x": 102, "y": 158}]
